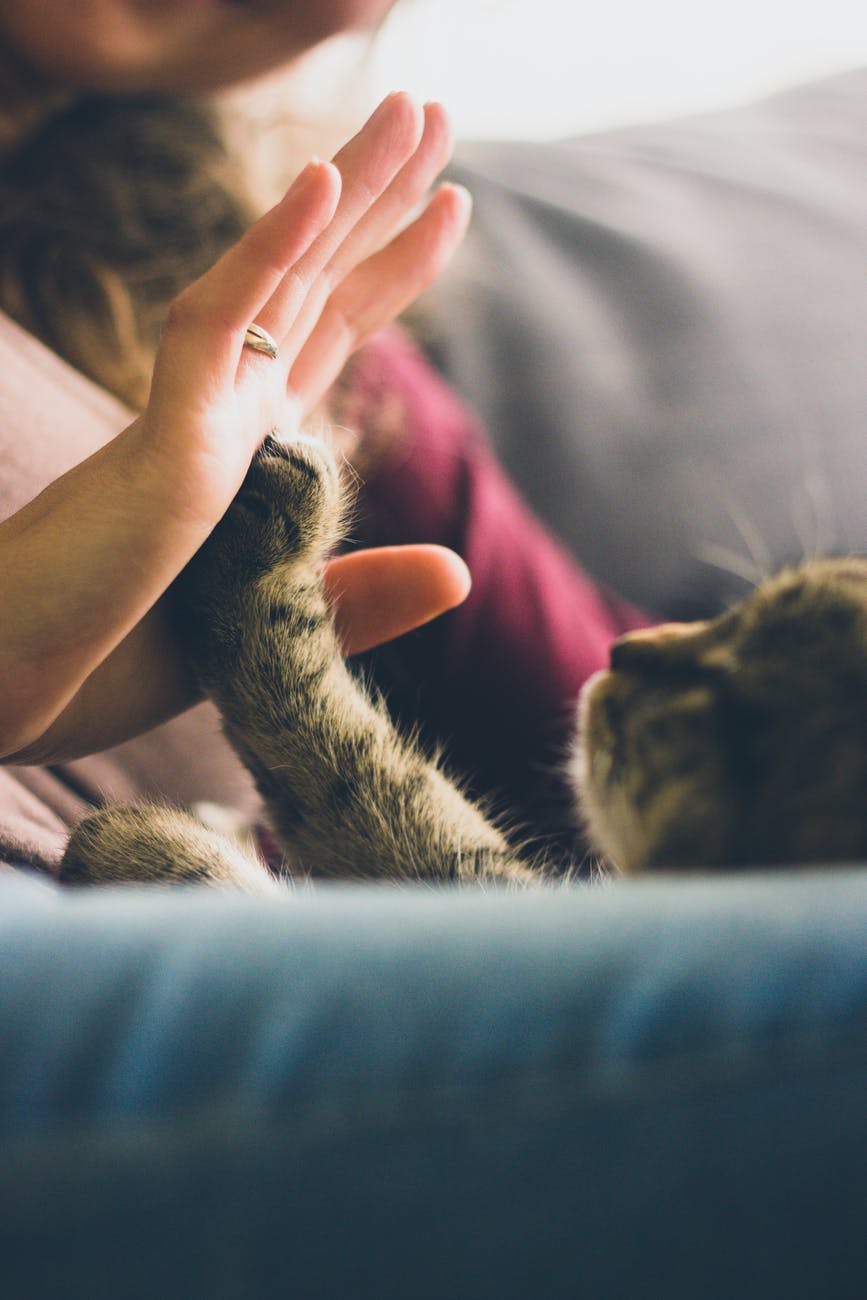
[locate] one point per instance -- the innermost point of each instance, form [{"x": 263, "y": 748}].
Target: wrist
[{"x": 189, "y": 482}]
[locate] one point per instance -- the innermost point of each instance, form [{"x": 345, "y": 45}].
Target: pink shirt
[{"x": 497, "y": 679}]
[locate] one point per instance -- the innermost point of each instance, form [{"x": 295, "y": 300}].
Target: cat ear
[{"x": 673, "y": 646}]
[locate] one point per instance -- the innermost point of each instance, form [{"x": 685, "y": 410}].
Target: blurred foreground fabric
[{"x": 651, "y": 1089}]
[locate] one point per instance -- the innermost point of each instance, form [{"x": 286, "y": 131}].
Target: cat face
[{"x": 738, "y": 741}]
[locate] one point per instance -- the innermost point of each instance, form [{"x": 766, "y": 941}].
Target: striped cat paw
[
  {"x": 154, "y": 845},
  {"x": 267, "y": 548},
  {"x": 289, "y": 505}
]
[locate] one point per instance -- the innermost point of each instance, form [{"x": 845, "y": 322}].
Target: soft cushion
[{"x": 663, "y": 328}]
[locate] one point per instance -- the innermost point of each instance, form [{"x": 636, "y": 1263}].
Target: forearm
[
  {"x": 142, "y": 683},
  {"x": 65, "y": 711},
  {"x": 80, "y": 567}
]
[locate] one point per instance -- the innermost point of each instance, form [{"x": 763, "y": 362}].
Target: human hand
[
  {"x": 314, "y": 272},
  {"x": 88, "y": 560}
]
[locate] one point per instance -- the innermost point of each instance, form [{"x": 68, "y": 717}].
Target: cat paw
[
  {"x": 285, "y": 519},
  {"x": 150, "y": 844},
  {"x": 288, "y": 509}
]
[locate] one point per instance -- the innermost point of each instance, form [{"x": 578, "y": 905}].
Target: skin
[
  {"x": 172, "y": 46},
  {"x": 87, "y": 657}
]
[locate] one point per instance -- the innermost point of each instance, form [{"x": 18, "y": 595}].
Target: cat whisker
[
  {"x": 756, "y": 546},
  {"x": 352, "y": 475},
  {"x": 729, "y": 561},
  {"x": 817, "y": 516},
  {"x": 818, "y": 496},
  {"x": 754, "y": 566}
]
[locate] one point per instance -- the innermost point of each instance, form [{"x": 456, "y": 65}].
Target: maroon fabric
[{"x": 495, "y": 680}]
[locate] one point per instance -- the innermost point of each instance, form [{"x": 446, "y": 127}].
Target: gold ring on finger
[{"x": 260, "y": 341}]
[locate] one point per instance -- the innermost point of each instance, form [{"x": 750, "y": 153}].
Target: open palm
[{"x": 319, "y": 274}]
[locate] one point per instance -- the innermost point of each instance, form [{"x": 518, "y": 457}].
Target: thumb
[{"x": 379, "y": 594}]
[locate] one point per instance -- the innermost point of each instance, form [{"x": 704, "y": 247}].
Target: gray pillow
[{"x": 664, "y": 329}]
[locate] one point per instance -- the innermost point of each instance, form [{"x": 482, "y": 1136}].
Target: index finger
[{"x": 210, "y": 317}]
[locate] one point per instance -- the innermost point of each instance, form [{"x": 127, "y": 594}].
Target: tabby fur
[{"x": 736, "y": 742}]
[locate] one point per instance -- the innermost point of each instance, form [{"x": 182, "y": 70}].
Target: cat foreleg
[
  {"x": 150, "y": 844},
  {"x": 346, "y": 793}
]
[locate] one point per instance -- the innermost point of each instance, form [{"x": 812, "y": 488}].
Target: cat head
[{"x": 739, "y": 741}]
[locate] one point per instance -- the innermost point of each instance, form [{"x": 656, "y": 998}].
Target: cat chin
[{"x": 603, "y": 807}]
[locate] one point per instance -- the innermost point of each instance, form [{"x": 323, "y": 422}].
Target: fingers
[
  {"x": 379, "y": 594},
  {"x": 379, "y": 222},
  {"x": 208, "y": 320},
  {"x": 405, "y": 192},
  {"x": 283, "y": 273},
  {"x": 367, "y": 165},
  {"x": 379, "y": 290}
]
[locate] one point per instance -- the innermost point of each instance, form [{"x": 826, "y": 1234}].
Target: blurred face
[{"x": 171, "y": 46}]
